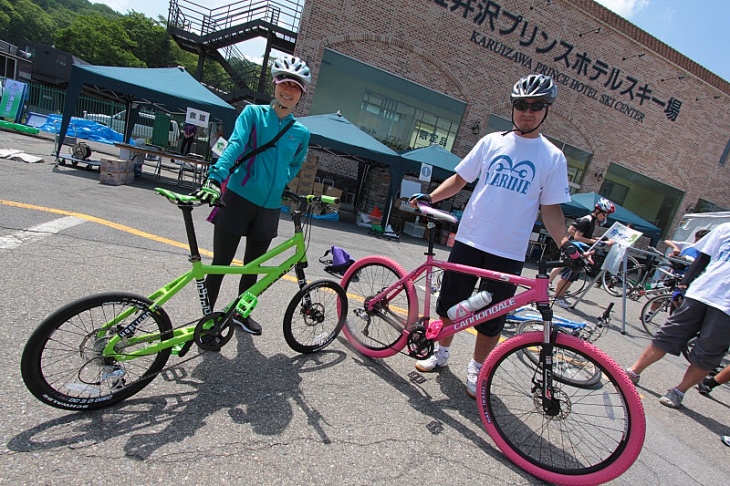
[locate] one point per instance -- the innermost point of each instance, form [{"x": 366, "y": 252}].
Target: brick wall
[{"x": 425, "y": 42}]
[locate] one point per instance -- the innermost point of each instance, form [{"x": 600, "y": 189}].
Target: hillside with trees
[{"x": 98, "y": 35}]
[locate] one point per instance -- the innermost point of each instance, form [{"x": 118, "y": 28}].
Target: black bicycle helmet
[{"x": 536, "y": 86}]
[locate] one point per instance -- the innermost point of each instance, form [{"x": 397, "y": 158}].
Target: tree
[{"x": 98, "y": 40}]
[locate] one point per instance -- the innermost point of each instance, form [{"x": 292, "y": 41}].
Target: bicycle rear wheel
[
  {"x": 315, "y": 316},
  {"x": 62, "y": 363},
  {"x": 379, "y": 332},
  {"x": 655, "y": 312},
  {"x": 594, "y": 435},
  {"x": 614, "y": 283},
  {"x": 578, "y": 286},
  {"x": 568, "y": 367}
]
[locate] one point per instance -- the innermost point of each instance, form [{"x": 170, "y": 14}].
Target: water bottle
[{"x": 469, "y": 306}]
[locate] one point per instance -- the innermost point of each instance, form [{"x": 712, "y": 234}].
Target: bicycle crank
[
  {"x": 210, "y": 334},
  {"x": 419, "y": 346}
]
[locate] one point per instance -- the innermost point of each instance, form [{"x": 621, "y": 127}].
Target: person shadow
[{"x": 254, "y": 390}]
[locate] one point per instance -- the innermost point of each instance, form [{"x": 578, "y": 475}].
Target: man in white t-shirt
[
  {"x": 705, "y": 309},
  {"x": 519, "y": 172}
]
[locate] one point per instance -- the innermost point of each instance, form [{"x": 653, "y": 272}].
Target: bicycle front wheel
[
  {"x": 655, "y": 312},
  {"x": 590, "y": 436},
  {"x": 315, "y": 316},
  {"x": 381, "y": 331},
  {"x": 568, "y": 367},
  {"x": 63, "y": 365}
]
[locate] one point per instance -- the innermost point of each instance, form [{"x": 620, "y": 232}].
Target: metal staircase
[{"x": 213, "y": 34}]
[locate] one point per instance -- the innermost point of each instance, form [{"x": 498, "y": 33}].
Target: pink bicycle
[{"x": 549, "y": 426}]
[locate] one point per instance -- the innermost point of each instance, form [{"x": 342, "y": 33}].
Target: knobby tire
[{"x": 597, "y": 434}]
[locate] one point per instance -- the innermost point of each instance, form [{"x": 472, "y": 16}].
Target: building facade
[{"x": 638, "y": 122}]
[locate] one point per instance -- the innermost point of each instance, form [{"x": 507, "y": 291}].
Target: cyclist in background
[
  {"x": 253, "y": 193},
  {"x": 581, "y": 230},
  {"x": 704, "y": 310},
  {"x": 519, "y": 172}
]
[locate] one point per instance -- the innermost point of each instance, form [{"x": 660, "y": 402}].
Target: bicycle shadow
[
  {"x": 421, "y": 401},
  {"x": 243, "y": 386}
]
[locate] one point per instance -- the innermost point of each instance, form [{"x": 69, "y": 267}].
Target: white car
[{"x": 142, "y": 129}]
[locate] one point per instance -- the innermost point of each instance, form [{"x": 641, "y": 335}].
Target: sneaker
[
  {"x": 632, "y": 376},
  {"x": 432, "y": 363},
  {"x": 649, "y": 315},
  {"x": 706, "y": 386},
  {"x": 672, "y": 399},
  {"x": 472, "y": 373},
  {"x": 725, "y": 440},
  {"x": 562, "y": 303},
  {"x": 248, "y": 325}
]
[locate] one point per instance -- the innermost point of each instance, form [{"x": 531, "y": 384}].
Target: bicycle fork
[{"x": 550, "y": 404}]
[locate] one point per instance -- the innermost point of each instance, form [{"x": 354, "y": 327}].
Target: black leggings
[{"x": 225, "y": 245}]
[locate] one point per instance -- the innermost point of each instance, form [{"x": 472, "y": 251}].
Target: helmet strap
[{"x": 520, "y": 131}]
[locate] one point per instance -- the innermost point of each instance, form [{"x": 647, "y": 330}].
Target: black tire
[
  {"x": 315, "y": 316},
  {"x": 62, "y": 364},
  {"x": 578, "y": 286},
  {"x": 380, "y": 332},
  {"x": 568, "y": 367},
  {"x": 593, "y": 436},
  {"x": 655, "y": 312},
  {"x": 614, "y": 283}
]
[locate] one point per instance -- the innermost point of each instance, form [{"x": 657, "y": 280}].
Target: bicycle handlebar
[{"x": 190, "y": 200}]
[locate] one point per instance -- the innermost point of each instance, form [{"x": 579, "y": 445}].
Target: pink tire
[
  {"x": 382, "y": 331},
  {"x": 593, "y": 437}
]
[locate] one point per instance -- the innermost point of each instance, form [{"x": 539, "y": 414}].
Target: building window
[
  {"x": 704, "y": 206},
  {"x": 397, "y": 112},
  {"x": 725, "y": 154},
  {"x": 644, "y": 196}
]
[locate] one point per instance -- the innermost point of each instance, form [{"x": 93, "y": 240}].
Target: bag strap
[{"x": 266, "y": 146}]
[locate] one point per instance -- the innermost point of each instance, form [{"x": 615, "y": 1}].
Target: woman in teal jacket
[{"x": 253, "y": 190}]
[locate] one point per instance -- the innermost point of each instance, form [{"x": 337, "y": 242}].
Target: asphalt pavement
[{"x": 258, "y": 412}]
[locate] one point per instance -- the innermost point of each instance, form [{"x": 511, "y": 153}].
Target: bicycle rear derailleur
[
  {"x": 419, "y": 346},
  {"x": 210, "y": 334}
]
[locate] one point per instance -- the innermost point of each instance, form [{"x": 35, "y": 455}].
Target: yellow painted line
[{"x": 119, "y": 227}]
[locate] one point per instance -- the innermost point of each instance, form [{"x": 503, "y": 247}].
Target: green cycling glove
[{"x": 209, "y": 192}]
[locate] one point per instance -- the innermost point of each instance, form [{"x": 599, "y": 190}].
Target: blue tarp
[{"x": 82, "y": 128}]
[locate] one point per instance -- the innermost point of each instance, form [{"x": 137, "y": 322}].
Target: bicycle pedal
[{"x": 182, "y": 350}]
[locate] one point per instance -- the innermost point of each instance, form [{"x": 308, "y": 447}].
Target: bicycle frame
[
  {"x": 244, "y": 303},
  {"x": 537, "y": 291},
  {"x": 519, "y": 316}
]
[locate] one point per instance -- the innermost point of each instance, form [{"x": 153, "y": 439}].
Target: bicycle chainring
[
  {"x": 419, "y": 346},
  {"x": 210, "y": 334}
]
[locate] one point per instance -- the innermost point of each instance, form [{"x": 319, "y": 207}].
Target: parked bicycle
[
  {"x": 541, "y": 424},
  {"x": 640, "y": 277},
  {"x": 568, "y": 367},
  {"x": 101, "y": 349}
]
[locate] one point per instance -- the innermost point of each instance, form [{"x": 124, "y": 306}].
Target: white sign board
[
  {"x": 426, "y": 171},
  {"x": 219, "y": 146},
  {"x": 624, "y": 237},
  {"x": 197, "y": 117}
]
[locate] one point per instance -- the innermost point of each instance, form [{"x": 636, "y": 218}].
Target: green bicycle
[{"x": 101, "y": 349}]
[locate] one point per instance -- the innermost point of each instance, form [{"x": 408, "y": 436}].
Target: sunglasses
[{"x": 535, "y": 107}]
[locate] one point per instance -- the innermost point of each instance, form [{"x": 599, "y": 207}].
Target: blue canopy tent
[
  {"x": 583, "y": 203},
  {"x": 444, "y": 162},
  {"x": 336, "y": 134},
  {"x": 172, "y": 90}
]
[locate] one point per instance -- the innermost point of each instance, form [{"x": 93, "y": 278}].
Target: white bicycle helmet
[
  {"x": 291, "y": 68},
  {"x": 536, "y": 86},
  {"x": 605, "y": 205}
]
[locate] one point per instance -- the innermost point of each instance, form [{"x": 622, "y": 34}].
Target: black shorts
[
  {"x": 459, "y": 286},
  {"x": 569, "y": 274},
  {"x": 243, "y": 218}
]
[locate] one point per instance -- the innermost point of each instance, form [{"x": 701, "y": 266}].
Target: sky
[{"x": 698, "y": 29}]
